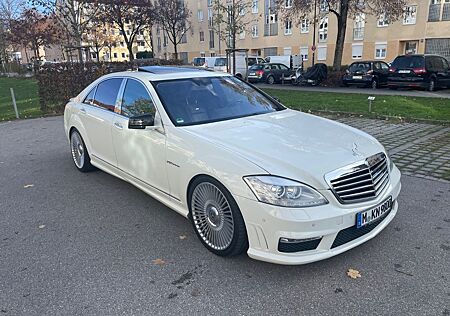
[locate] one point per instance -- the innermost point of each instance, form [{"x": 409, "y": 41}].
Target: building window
[
  {"x": 323, "y": 29},
  {"x": 288, "y": 28},
  {"x": 210, "y": 17},
  {"x": 202, "y": 36},
  {"x": 410, "y": 15},
  {"x": 322, "y": 53},
  {"x": 288, "y": 3},
  {"x": 324, "y": 6},
  {"x": 357, "y": 51},
  {"x": 202, "y": 54},
  {"x": 382, "y": 20},
  {"x": 200, "y": 15},
  {"x": 255, "y": 6},
  {"x": 123, "y": 55},
  {"x": 211, "y": 39},
  {"x": 158, "y": 41},
  {"x": 242, "y": 35},
  {"x": 213, "y": 54},
  {"x": 358, "y": 26},
  {"x": 287, "y": 51},
  {"x": 165, "y": 41},
  {"x": 210, "y": 3},
  {"x": 242, "y": 10},
  {"x": 115, "y": 55},
  {"x": 304, "y": 53},
  {"x": 304, "y": 26},
  {"x": 122, "y": 44},
  {"x": 254, "y": 31},
  {"x": 380, "y": 50},
  {"x": 184, "y": 39}
]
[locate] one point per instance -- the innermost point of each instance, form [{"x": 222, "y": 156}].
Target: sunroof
[{"x": 167, "y": 69}]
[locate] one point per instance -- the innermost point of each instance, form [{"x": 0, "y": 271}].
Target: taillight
[
  {"x": 419, "y": 71},
  {"x": 391, "y": 69},
  {"x": 260, "y": 72}
]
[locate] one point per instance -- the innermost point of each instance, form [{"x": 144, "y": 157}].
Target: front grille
[
  {"x": 298, "y": 246},
  {"x": 352, "y": 233},
  {"x": 362, "y": 182}
]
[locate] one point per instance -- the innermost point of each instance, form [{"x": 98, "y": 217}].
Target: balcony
[
  {"x": 434, "y": 13},
  {"x": 358, "y": 33}
]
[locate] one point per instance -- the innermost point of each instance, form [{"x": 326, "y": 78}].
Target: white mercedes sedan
[{"x": 251, "y": 175}]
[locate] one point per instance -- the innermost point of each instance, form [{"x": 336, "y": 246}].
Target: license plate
[
  {"x": 366, "y": 217},
  {"x": 310, "y": 81},
  {"x": 404, "y": 71},
  {"x": 357, "y": 77},
  {"x": 252, "y": 74}
]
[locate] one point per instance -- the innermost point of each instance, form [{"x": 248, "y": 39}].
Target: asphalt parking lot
[{"x": 84, "y": 244}]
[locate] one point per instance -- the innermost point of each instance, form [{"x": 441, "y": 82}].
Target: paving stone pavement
[{"x": 418, "y": 149}]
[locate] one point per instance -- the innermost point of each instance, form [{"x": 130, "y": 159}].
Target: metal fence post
[{"x": 14, "y": 102}]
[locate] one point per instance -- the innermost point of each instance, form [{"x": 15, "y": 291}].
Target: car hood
[{"x": 291, "y": 144}]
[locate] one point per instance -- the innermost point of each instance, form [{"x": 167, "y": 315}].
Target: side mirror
[{"x": 141, "y": 122}]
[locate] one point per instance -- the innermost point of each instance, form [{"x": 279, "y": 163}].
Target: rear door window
[
  {"x": 106, "y": 94},
  {"x": 408, "y": 62}
]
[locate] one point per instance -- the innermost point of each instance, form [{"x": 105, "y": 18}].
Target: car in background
[
  {"x": 204, "y": 62},
  {"x": 241, "y": 62},
  {"x": 419, "y": 71},
  {"x": 369, "y": 73},
  {"x": 269, "y": 73}
]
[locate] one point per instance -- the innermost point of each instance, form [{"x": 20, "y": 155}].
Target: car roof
[{"x": 154, "y": 73}]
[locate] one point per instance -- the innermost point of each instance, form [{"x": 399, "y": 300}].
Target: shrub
[{"x": 57, "y": 83}]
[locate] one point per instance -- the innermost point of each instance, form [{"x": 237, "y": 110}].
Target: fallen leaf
[
  {"x": 183, "y": 237},
  {"x": 158, "y": 261},
  {"x": 41, "y": 226},
  {"x": 354, "y": 274},
  {"x": 28, "y": 186}
]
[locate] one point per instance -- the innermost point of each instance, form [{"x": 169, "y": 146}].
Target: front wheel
[
  {"x": 270, "y": 80},
  {"x": 80, "y": 153},
  {"x": 374, "y": 84},
  {"x": 216, "y": 217},
  {"x": 432, "y": 85}
]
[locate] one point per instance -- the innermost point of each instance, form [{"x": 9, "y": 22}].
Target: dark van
[{"x": 419, "y": 71}]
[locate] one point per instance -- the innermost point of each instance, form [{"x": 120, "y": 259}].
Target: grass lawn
[
  {"x": 26, "y": 94},
  {"x": 397, "y": 106}
]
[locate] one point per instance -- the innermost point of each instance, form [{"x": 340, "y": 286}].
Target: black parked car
[
  {"x": 269, "y": 73},
  {"x": 367, "y": 73},
  {"x": 419, "y": 71}
]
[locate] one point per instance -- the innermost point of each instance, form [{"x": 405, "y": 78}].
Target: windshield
[
  {"x": 364, "y": 67},
  {"x": 220, "y": 62},
  {"x": 199, "y": 61},
  {"x": 408, "y": 62},
  {"x": 257, "y": 67},
  {"x": 194, "y": 101}
]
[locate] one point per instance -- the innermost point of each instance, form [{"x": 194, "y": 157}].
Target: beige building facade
[{"x": 424, "y": 28}]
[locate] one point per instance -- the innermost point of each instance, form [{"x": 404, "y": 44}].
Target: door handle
[
  {"x": 83, "y": 110},
  {"x": 118, "y": 125}
]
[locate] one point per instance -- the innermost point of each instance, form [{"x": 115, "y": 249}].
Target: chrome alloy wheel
[
  {"x": 212, "y": 216},
  {"x": 77, "y": 149}
]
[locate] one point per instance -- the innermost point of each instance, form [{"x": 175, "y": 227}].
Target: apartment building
[{"x": 424, "y": 28}]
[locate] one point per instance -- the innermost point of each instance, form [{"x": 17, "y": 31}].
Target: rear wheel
[
  {"x": 80, "y": 154},
  {"x": 374, "y": 84},
  {"x": 270, "y": 79},
  {"x": 432, "y": 85},
  {"x": 216, "y": 217}
]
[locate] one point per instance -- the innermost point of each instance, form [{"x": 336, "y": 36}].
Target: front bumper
[{"x": 266, "y": 224}]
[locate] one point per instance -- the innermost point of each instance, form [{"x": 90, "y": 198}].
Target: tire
[
  {"x": 374, "y": 84},
  {"x": 432, "y": 85},
  {"x": 216, "y": 217},
  {"x": 270, "y": 79},
  {"x": 80, "y": 154}
]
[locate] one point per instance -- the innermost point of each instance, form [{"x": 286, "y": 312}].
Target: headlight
[{"x": 284, "y": 192}]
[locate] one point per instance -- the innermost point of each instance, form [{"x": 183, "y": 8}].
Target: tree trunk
[
  {"x": 340, "y": 39},
  {"x": 175, "y": 48},
  {"x": 130, "y": 51}
]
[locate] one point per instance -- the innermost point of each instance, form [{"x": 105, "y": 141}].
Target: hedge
[{"x": 57, "y": 83}]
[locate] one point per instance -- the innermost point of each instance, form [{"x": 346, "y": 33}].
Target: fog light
[{"x": 297, "y": 245}]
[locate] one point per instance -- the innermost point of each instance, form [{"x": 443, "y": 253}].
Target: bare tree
[
  {"x": 342, "y": 9},
  {"x": 33, "y": 30},
  {"x": 230, "y": 19},
  {"x": 9, "y": 11},
  {"x": 130, "y": 16},
  {"x": 74, "y": 16},
  {"x": 97, "y": 37},
  {"x": 173, "y": 17}
]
